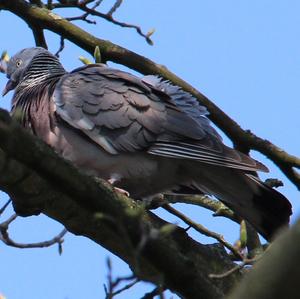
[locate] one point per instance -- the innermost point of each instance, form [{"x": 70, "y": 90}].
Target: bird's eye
[{"x": 18, "y": 62}]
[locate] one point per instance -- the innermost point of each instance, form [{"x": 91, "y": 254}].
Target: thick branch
[
  {"x": 39, "y": 36},
  {"x": 38, "y": 180},
  {"x": 242, "y": 139},
  {"x": 276, "y": 274}
]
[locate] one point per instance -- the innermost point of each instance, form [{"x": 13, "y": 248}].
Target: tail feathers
[
  {"x": 273, "y": 208},
  {"x": 263, "y": 207}
]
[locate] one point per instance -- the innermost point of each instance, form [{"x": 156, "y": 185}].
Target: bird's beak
[{"x": 10, "y": 85}]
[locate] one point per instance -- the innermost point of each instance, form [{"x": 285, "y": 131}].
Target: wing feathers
[
  {"x": 202, "y": 154},
  {"x": 123, "y": 113}
]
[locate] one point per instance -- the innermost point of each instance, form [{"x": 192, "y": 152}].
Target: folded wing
[{"x": 123, "y": 113}]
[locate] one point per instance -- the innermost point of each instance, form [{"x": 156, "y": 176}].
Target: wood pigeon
[{"x": 144, "y": 135}]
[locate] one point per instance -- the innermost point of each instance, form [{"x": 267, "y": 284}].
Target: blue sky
[{"x": 244, "y": 55}]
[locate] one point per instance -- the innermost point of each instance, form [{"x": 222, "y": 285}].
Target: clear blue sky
[{"x": 244, "y": 55}]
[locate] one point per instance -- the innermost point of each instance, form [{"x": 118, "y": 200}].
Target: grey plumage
[{"x": 144, "y": 134}]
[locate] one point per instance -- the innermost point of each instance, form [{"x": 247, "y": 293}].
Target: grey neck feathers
[
  {"x": 37, "y": 84},
  {"x": 42, "y": 69}
]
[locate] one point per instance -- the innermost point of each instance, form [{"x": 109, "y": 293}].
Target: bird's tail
[{"x": 265, "y": 208}]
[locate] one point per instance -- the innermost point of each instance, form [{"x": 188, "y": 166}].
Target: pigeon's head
[{"x": 17, "y": 66}]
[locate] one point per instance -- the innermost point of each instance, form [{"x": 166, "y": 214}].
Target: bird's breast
[{"x": 139, "y": 173}]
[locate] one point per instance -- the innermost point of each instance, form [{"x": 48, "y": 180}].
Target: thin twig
[
  {"x": 126, "y": 287},
  {"x": 111, "y": 19},
  {"x": 82, "y": 5},
  {"x": 203, "y": 230},
  {"x": 5, "y": 206},
  {"x": 49, "y": 4},
  {"x": 112, "y": 284},
  {"x": 115, "y": 7},
  {"x": 254, "y": 246},
  {"x": 70, "y": 4},
  {"x": 158, "y": 291},
  {"x": 6, "y": 223},
  {"x": 86, "y": 2},
  {"x": 273, "y": 183},
  {"x": 205, "y": 201},
  {"x": 234, "y": 269},
  {"x": 61, "y": 46},
  {"x": 84, "y": 17},
  {"x": 4, "y": 237},
  {"x": 37, "y": 2}
]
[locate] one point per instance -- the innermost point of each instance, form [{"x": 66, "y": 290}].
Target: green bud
[
  {"x": 150, "y": 32},
  {"x": 97, "y": 55},
  {"x": 243, "y": 234},
  {"x": 84, "y": 60},
  {"x": 5, "y": 56}
]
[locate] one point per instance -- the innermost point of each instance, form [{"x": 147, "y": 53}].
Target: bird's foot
[
  {"x": 122, "y": 191},
  {"x": 112, "y": 181}
]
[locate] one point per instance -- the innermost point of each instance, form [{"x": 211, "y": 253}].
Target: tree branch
[
  {"x": 92, "y": 209},
  {"x": 82, "y": 5},
  {"x": 5, "y": 238},
  {"x": 39, "y": 36},
  {"x": 110, "y": 289},
  {"x": 203, "y": 230},
  {"x": 242, "y": 139},
  {"x": 206, "y": 202},
  {"x": 5, "y": 206},
  {"x": 115, "y": 7},
  {"x": 237, "y": 267},
  {"x": 158, "y": 291},
  {"x": 109, "y": 17},
  {"x": 36, "y": 2},
  {"x": 276, "y": 274}
]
